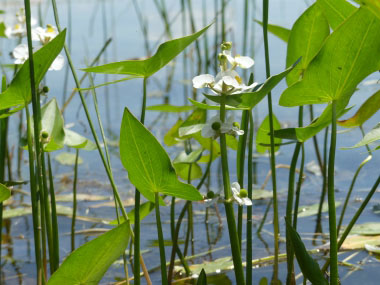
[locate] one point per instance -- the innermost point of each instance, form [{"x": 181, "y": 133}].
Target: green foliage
[
  {"x": 193, "y": 124},
  {"x": 366, "y": 229},
  {"x": 18, "y": 94},
  {"x": 52, "y": 123},
  {"x": 88, "y": 263},
  {"x": 148, "y": 165},
  {"x": 336, "y": 11},
  {"x": 172, "y": 136},
  {"x": 182, "y": 170},
  {"x": 346, "y": 58},
  {"x": 5, "y": 193},
  {"x": 280, "y": 32},
  {"x": 145, "y": 68},
  {"x": 311, "y": 210},
  {"x": 308, "y": 265},
  {"x": 366, "y": 111},
  {"x": 263, "y": 138},
  {"x": 306, "y": 38},
  {"x": 169, "y": 108},
  {"x": 372, "y": 5},
  {"x": 75, "y": 140}
]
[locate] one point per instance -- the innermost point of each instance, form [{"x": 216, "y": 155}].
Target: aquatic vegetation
[{"x": 168, "y": 176}]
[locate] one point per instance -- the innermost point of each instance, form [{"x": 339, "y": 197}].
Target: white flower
[
  {"x": 243, "y": 201},
  {"x": 44, "y": 35},
  {"x": 227, "y": 82},
  {"x": 214, "y": 127},
  {"x": 21, "y": 54},
  {"x": 19, "y": 29},
  {"x": 240, "y": 61},
  {"x": 231, "y": 127}
]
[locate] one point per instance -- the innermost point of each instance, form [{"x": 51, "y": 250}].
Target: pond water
[{"x": 92, "y": 23}]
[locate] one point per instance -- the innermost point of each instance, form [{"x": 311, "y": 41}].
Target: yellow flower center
[{"x": 238, "y": 79}]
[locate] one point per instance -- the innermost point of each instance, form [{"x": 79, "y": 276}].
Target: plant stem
[
  {"x": 234, "y": 240},
  {"x": 53, "y": 215},
  {"x": 298, "y": 190},
  {"x": 136, "y": 260},
  {"x": 161, "y": 243},
  {"x": 249, "y": 208},
  {"x": 73, "y": 219},
  {"x": 276, "y": 228},
  {"x": 331, "y": 201}
]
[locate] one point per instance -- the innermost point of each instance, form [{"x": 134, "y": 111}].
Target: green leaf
[
  {"x": 278, "y": 31},
  {"x": 172, "y": 136},
  {"x": 370, "y": 137},
  {"x": 75, "y": 140},
  {"x": 148, "y": 165},
  {"x": 182, "y": 170},
  {"x": 346, "y": 58},
  {"x": 170, "y": 108},
  {"x": 202, "y": 279},
  {"x": 5, "y": 193},
  {"x": 246, "y": 101},
  {"x": 206, "y": 144},
  {"x": 88, "y": 263},
  {"x": 308, "y": 265},
  {"x": 190, "y": 158},
  {"x": 67, "y": 158},
  {"x": 263, "y": 135},
  {"x": 336, "y": 11},
  {"x": 304, "y": 133},
  {"x": 232, "y": 142},
  {"x": 2, "y": 30},
  {"x": 372, "y": 5},
  {"x": 263, "y": 281},
  {"x": 194, "y": 123},
  {"x": 145, "y": 68},
  {"x": 145, "y": 209},
  {"x": 19, "y": 91},
  {"x": 305, "y": 40},
  {"x": 52, "y": 123},
  {"x": 366, "y": 111}
]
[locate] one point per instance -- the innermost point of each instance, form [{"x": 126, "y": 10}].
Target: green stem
[
  {"x": 249, "y": 208},
  {"x": 331, "y": 201},
  {"x": 299, "y": 184},
  {"x": 53, "y": 215},
  {"x": 73, "y": 219},
  {"x": 161, "y": 243},
  {"x": 276, "y": 228},
  {"x": 234, "y": 240},
  {"x": 37, "y": 127},
  {"x": 136, "y": 259}
]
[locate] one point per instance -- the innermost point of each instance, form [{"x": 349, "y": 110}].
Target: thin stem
[
  {"x": 136, "y": 261},
  {"x": 298, "y": 190},
  {"x": 249, "y": 208},
  {"x": 331, "y": 201},
  {"x": 276, "y": 228},
  {"x": 161, "y": 243},
  {"x": 53, "y": 215},
  {"x": 73, "y": 219},
  {"x": 234, "y": 240}
]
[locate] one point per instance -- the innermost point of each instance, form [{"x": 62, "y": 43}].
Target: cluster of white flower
[
  {"x": 39, "y": 34},
  {"x": 239, "y": 196},
  {"x": 226, "y": 82}
]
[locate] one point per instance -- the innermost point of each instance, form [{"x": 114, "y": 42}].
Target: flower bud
[
  {"x": 210, "y": 194},
  {"x": 243, "y": 193},
  {"x": 44, "y": 137},
  {"x": 236, "y": 125},
  {"x": 45, "y": 89},
  {"x": 216, "y": 126},
  {"x": 226, "y": 45},
  {"x": 222, "y": 58}
]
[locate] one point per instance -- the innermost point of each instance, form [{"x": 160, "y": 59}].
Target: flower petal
[
  {"x": 58, "y": 63},
  {"x": 244, "y": 61},
  {"x": 203, "y": 80}
]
